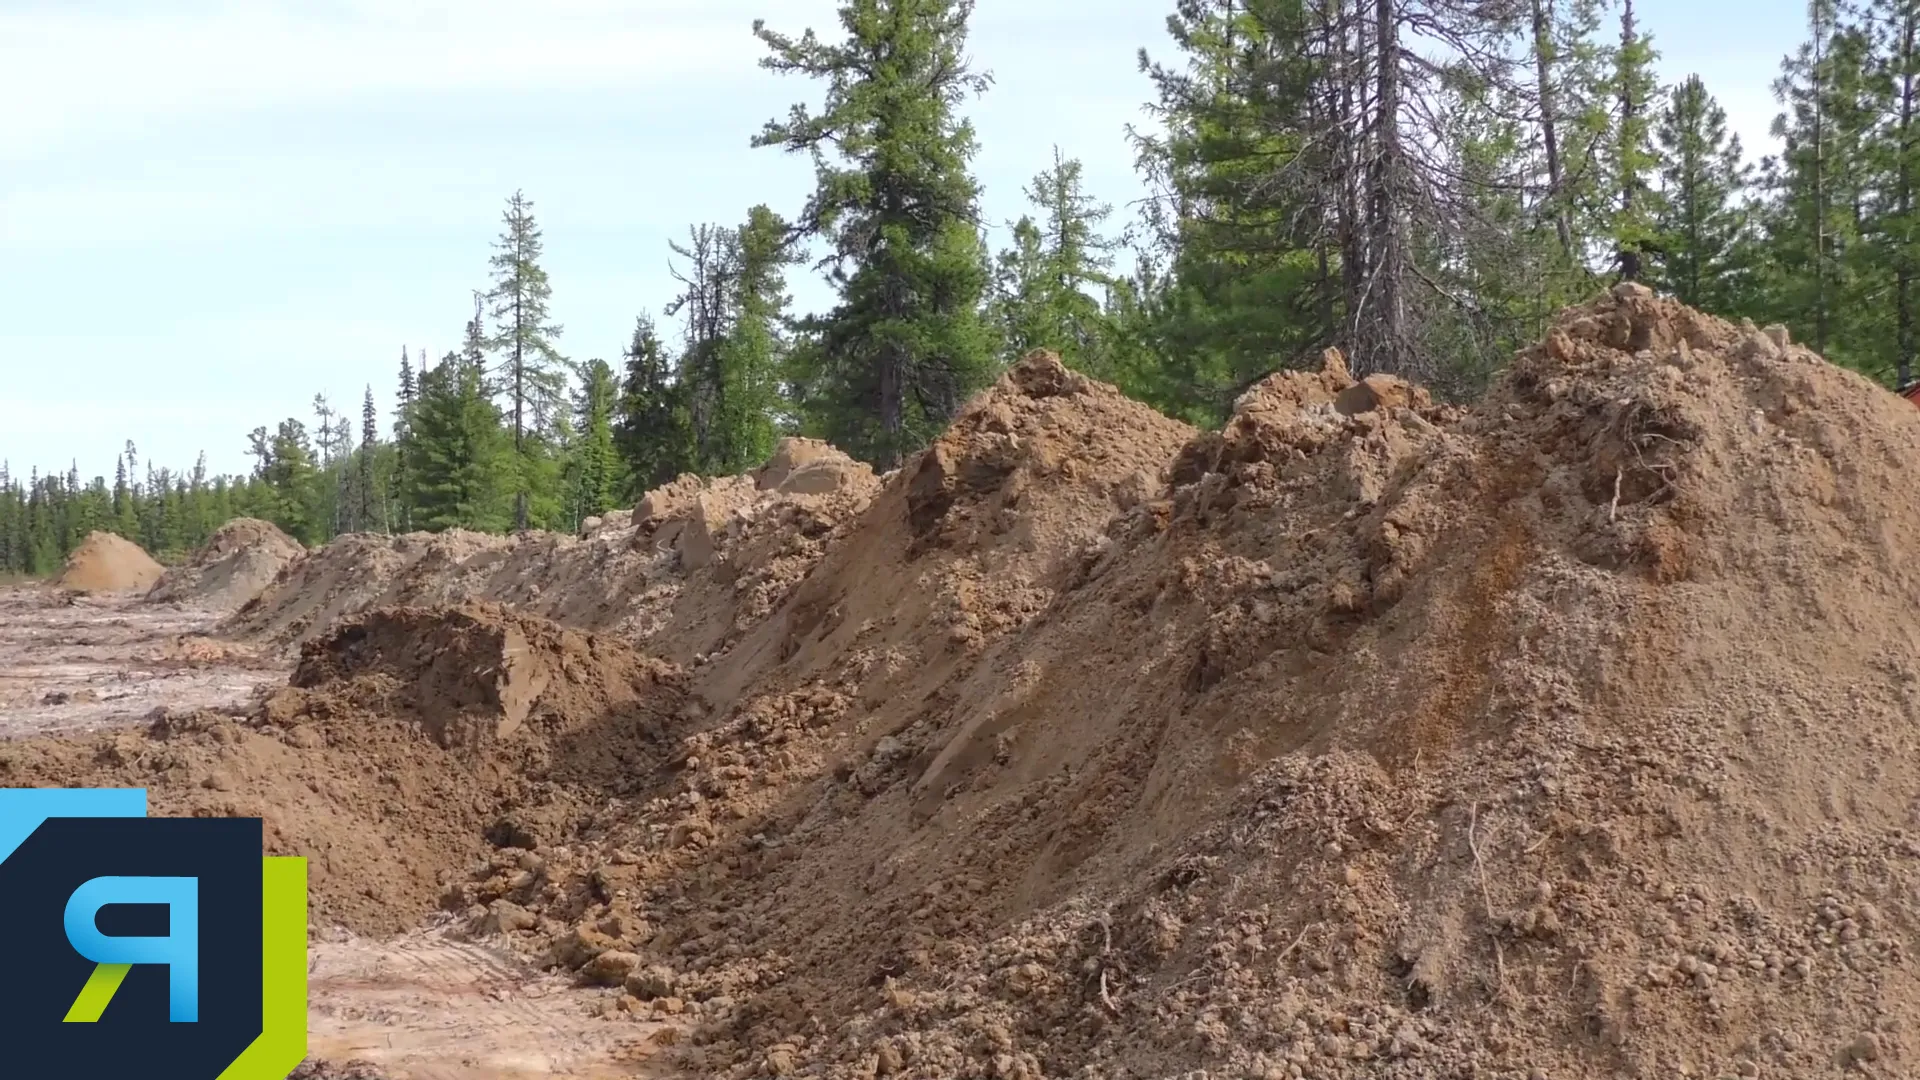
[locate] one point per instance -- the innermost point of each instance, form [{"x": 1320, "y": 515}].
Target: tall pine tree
[
  {"x": 531, "y": 374},
  {"x": 1630, "y": 156},
  {"x": 907, "y": 342},
  {"x": 461, "y": 463},
  {"x": 367, "y": 509},
  {"x": 596, "y": 464},
  {"x": 652, "y": 430},
  {"x": 1701, "y": 249},
  {"x": 1048, "y": 286},
  {"x": 400, "y": 515},
  {"x": 754, "y": 350}
]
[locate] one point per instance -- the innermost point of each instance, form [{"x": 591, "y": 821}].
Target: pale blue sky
[{"x": 210, "y": 211}]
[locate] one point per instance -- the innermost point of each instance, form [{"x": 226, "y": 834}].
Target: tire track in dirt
[{"x": 425, "y": 1007}]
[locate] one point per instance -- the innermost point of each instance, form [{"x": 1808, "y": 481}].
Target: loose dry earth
[{"x": 1572, "y": 734}]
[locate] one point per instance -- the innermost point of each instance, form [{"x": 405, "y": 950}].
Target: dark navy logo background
[{"x": 133, "y": 1037}]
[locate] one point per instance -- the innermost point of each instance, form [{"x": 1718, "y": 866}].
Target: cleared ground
[{"x": 419, "y": 1008}]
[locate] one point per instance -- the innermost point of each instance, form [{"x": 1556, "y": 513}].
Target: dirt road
[{"x": 423, "y": 1007}]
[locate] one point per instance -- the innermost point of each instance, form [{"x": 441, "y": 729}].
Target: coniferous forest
[{"x": 1422, "y": 183}]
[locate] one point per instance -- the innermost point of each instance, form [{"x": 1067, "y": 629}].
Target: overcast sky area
[{"x": 211, "y": 211}]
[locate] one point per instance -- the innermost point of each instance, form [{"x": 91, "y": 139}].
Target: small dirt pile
[
  {"x": 408, "y": 739},
  {"x": 242, "y": 558},
  {"x": 105, "y": 562}
]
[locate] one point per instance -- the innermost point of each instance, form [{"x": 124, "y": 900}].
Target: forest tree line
[{"x": 1422, "y": 183}]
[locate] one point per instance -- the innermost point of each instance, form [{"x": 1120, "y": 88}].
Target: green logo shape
[{"x": 282, "y": 1044}]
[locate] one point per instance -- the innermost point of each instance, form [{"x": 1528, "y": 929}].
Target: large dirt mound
[
  {"x": 1573, "y": 734},
  {"x": 242, "y": 558},
  {"x": 696, "y": 564},
  {"x": 407, "y": 741},
  {"x": 105, "y": 562}
]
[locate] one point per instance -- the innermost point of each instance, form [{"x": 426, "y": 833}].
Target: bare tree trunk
[
  {"x": 1628, "y": 252},
  {"x": 1819, "y": 88},
  {"x": 1350, "y": 72},
  {"x": 1550, "y": 123},
  {"x": 1903, "y": 261},
  {"x": 892, "y": 405},
  {"x": 1388, "y": 264}
]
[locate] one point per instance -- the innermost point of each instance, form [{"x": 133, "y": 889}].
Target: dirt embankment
[
  {"x": 697, "y": 563},
  {"x": 1570, "y": 734}
]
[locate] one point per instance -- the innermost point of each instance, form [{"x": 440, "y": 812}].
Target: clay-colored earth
[{"x": 1571, "y": 733}]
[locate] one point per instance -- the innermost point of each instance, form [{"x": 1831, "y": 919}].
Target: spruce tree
[
  {"x": 1049, "y": 284},
  {"x": 401, "y": 515},
  {"x": 1325, "y": 176},
  {"x": 596, "y": 462},
  {"x": 1019, "y": 307},
  {"x": 532, "y": 373},
  {"x": 754, "y": 350},
  {"x": 200, "y": 512},
  {"x": 126, "y": 502},
  {"x": 290, "y": 483},
  {"x": 1813, "y": 218},
  {"x": 370, "y": 500},
  {"x": 1896, "y": 155},
  {"x": 12, "y": 560},
  {"x": 122, "y": 496},
  {"x": 1701, "y": 247},
  {"x": 652, "y": 430},
  {"x": 461, "y": 462},
  {"x": 705, "y": 309},
  {"x": 1630, "y": 155},
  {"x": 906, "y": 343}
]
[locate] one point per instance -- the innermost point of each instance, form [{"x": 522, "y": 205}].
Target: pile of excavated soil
[
  {"x": 697, "y": 563},
  {"x": 105, "y": 562},
  {"x": 1572, "y": 734},
  {"x": 407, "y": 739},
  {"x": 242, "y": 558}
]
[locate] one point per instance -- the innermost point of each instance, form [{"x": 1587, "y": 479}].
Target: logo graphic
[{"x": 165, "y": 948}]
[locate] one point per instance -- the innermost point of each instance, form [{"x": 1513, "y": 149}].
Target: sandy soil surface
[
  {"x": 424, "y": 1007},
  {"x": 73, "y": 662},
  {"x": 419, "y": 1007}
]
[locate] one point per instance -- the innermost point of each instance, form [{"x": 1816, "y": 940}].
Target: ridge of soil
[{"x": 1571, "y": 733}]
